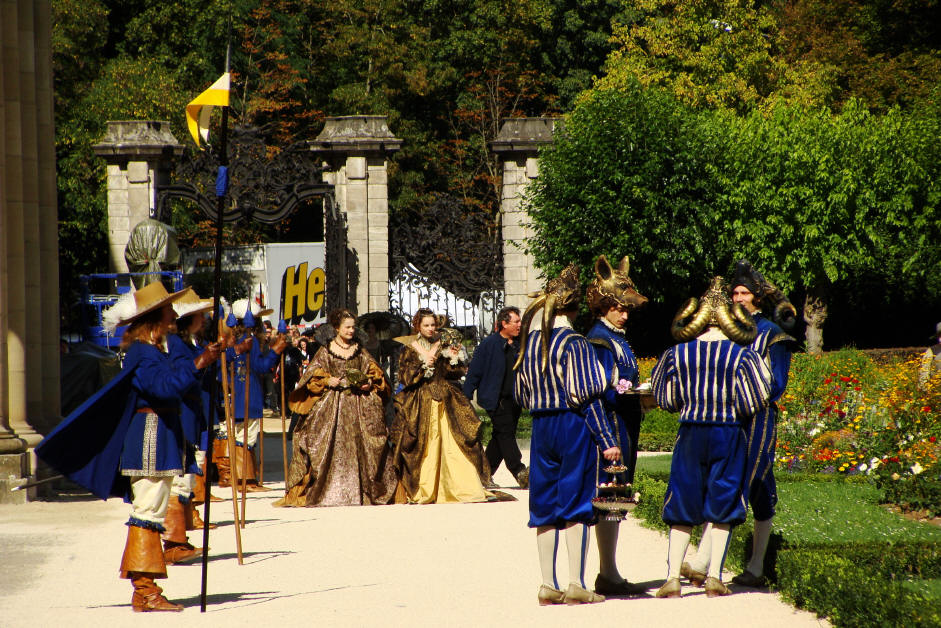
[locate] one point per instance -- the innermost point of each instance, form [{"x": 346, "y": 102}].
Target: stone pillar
[
  {"x": 140, "y": 156},
  {"x": 29, "y": 304},
  {"x": 355, "y": 150},
  {"x": 517, "y": 145}
]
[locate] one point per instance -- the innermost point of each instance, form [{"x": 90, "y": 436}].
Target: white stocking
[
  {"x": 759, "y": 544},
  {"x": 720, "y": 545},
  {"x": 577, "y": 536},
  {"x": 679, "y": 542},
  {"x": 700, "y": 561},
  {"x": 607, "y": 534},
  {"x": 547, "y": 543}
]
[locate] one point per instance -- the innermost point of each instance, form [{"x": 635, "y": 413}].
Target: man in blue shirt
[{"x": 491, "y": 376}]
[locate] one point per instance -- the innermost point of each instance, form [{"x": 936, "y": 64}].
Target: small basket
[{"x": 614, "y": 508}]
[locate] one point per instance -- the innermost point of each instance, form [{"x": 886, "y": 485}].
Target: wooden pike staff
[
  {"x": 230, "y": 430},
  {"x": 282, "y": 329},
  {"x": 245, "y": 454}
]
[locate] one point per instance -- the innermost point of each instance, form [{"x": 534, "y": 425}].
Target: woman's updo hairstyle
[
  {"x": 419, "y": 315},
  {"x": 337, "y": 317}
]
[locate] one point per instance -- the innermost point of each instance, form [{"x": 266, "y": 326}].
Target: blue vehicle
[{"x": 101, "y": 290}]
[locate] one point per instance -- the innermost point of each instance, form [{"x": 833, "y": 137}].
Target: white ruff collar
[
  {"x": 611, "y": 327},
  {"x": 561, "y": 321}
]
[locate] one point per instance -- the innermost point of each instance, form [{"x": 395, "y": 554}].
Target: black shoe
[
  {"x": 748, "y": 579},
  {"x": 523, "y": 478}
]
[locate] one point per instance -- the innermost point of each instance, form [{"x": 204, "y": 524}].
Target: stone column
[
  {"x": 355, "y": 150},
  {"x": 140, "y": 156},
  {"x": 29, "y": 376},
  {"x": 517, "y": 145}
]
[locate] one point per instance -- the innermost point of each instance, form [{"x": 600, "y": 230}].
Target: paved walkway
[{"x": 448, "y": 565}]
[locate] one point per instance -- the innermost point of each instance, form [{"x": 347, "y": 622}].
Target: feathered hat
[
  {"x": 241, "y": 307},
  {"x": 767, "y": 296},
  {"x": 714, "y": 309},
  {"x": 133, "y": 305},
  {"x": 561, "y": 294},
  {"x": 190, "y": 303}
]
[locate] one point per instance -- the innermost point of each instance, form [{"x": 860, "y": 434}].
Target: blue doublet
[
  {"x": 569, "y": 425},
  {"x": 771, "y": 344},
  {"x": 154, "y": 443},
  {"x": 261, "y": 363},
  {"x": 89, "y": 445},
  {"x": 713, "y": 384},
  {"x": 618, "y": 361}
]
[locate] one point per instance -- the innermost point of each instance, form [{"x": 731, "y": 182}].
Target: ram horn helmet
[{"x": 714, "y": 309}]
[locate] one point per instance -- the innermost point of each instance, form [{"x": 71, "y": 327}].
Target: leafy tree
[{"x": 629, "y": 173}]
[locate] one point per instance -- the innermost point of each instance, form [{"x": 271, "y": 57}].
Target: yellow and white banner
[{"x": 199, "y": 110}]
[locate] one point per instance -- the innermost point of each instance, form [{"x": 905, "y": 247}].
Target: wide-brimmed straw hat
[
  {"x": 190, "y": 303},
  {"x": 133, "y": 305}
]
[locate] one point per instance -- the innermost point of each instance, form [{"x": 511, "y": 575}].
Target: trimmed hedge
[
  {"x": 834, "y": 583},
  {"x": 866, "y": 583}
]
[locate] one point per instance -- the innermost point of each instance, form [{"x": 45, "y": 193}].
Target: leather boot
[
  {"x": 199, "y": 488},
  {"x": 250, "y": 470},
  {"x": 220, "y": 458},
  {"x": 196, "y": 521},
  {"x": 143, "y": 554},
  {"x": 176, "y": 547},
  {"x": 147, "y": 595}
]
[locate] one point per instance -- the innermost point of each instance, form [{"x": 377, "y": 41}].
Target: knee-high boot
[
  {"x": 142, "y": 563},
  {"x": 176, "y": 547}
]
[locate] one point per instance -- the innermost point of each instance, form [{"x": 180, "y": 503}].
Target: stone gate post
[
  {"x": 517, "y": 145},
  {"x": 140, "y": 155},
  {"x": 355, "y": 150}
]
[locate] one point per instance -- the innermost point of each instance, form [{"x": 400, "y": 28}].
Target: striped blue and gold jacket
[
  {"x": 711, "y": 381},
  {"x": 574, "y": 380}
]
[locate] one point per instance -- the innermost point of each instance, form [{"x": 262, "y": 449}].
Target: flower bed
[{"x": 846, "y": 413}]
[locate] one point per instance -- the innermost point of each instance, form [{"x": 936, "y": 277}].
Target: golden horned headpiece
[
  {"x": 612, "y": 286},
  {"x": 714, "y": 309},
  {"x": 561, "y": 294}
]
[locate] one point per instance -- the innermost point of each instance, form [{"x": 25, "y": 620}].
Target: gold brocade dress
[
  {"x": 341, "y": 455},
  {"x": 436, "y": 433}
]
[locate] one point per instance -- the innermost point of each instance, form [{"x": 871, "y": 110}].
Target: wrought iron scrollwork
[
  {"x": 451, "y": 246},
  {"x": 265, "y": 185}
]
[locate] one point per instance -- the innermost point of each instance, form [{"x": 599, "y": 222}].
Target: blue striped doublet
[
  {"x": 714, "y": 381},
  {"x": 574, "y": 379}
]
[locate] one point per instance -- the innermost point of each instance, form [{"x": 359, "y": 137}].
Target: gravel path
[{"x": 448, "y": 565}]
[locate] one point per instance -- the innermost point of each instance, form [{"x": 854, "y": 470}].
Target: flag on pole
[{"x": 198, "y": 111}]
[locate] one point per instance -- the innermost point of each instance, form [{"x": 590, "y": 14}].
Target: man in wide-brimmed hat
[
  {"x": 561, "y": 381},
  {"x": 249, "y": 362},
  {"x": 186, "y": 344},
  {"x": 716, "y": 383},
  {"x": 127, "y": 440}
]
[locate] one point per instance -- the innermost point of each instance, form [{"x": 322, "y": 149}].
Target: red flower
[
  {"x": 926, "y": 408},
  {"x": 894, "y": 459},
  {"x": 932, "y": 439},
  {"x": 844, "y": 378},
  {"x": 857, "y": 388},
  {"x": 827, "y": 380},
  {"x": 841, "y": 413}
]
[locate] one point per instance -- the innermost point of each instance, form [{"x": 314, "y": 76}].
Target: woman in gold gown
[
  {"x": 436, "y": 433},
  {"x": 341, "y": 455}
]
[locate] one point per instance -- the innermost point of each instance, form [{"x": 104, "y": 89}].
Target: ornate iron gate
[
  {"x": 449, "y": 258},
  {"x": 267, "y": 186}
]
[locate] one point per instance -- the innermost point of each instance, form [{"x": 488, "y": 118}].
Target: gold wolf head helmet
[{"x": 612, "y": 286}]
